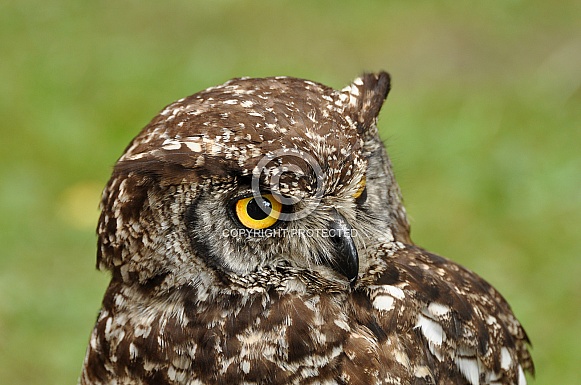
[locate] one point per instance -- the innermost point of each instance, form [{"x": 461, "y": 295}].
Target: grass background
[{"x": 483, "y": 125}]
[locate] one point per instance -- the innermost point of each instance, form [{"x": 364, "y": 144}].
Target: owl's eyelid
[{"x": 243, "y": 194}]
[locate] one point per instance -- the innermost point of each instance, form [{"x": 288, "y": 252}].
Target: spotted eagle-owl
[{"x": 256, "y": 235}]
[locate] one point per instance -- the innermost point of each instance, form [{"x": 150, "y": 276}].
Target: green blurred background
[{"x": 483, "y": 125}]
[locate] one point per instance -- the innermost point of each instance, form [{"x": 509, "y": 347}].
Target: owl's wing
[{"x": 447, "y": 324}]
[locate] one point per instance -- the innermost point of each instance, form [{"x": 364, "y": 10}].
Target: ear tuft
[{"x": 366, "y": 95}]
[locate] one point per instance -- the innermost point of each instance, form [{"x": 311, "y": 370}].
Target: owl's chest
[
  {"x": 287, "y": 336},
  {"x": 265, "y": 338}
]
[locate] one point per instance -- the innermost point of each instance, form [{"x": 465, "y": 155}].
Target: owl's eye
[
  {"x": 360, "y": 188},
  {"x": 258, "y": 214}
]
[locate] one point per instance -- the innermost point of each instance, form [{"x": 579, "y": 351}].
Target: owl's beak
[{"x": 345, "y": 260}]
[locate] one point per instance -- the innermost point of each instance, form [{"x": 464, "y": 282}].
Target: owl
[{"x": 255, "y": 234}]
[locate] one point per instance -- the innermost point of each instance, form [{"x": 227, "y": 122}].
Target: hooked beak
[{"x": 345, "y": 259}]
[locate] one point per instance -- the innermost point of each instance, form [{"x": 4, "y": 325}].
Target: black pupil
[{"x": 256, "y": 212}]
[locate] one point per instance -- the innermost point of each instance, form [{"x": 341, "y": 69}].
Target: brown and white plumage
[{"x": 197, "y": 297}]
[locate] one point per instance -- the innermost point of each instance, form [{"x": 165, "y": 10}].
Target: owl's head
[{"x": 255, "y": 177}]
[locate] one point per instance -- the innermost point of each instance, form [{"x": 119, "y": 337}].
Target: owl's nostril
[{"x": 345, "y": 259}]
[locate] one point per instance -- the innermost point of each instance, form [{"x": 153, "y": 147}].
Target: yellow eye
[
  {"x": 258, "y": 214},
  {"x": 360, "y": 188}
]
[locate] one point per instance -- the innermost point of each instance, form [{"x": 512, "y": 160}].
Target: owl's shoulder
[{"x": 431, "y": 310}]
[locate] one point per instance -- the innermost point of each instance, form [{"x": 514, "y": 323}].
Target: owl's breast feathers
[{"x": 415, "y": 318}]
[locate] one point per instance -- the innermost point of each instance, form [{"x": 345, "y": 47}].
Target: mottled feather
[{"x": 196, "y": 297}]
